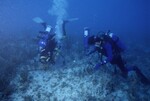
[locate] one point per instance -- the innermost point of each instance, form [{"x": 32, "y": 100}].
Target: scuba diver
[
  {"x": 109, "y": 45},
  {"x": 48, "y": 45}
]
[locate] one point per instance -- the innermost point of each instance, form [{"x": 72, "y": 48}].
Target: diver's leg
[
  {"x": 142, "y": 77},
  {"x": 120, "y": 63},
  {"x": 43, "y": 56},
  {"x": 52, "y": 57}
]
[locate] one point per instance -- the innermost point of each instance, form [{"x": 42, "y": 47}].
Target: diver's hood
[{"x": 93, "y": 39}]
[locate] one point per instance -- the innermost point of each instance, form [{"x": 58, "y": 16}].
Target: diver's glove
[
  {"x": 88, "y": 53},
  {"x": 98, "y": 65},
  {"x": 103, "y": 62}
]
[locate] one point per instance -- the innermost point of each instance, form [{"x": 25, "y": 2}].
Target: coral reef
[{"x": 73, "y": 78}]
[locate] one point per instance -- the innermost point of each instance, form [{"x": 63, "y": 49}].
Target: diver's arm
[
  {"x": 92, "y": 51},
  {"x": 109, "y": 55}
]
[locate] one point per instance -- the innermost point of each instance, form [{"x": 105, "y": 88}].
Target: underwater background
[{"x": 22, "y": 77}]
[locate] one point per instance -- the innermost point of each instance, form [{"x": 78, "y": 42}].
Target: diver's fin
[
  {"x": 142, "y": 77},
  {"x": 38, "y": 20},
  {"x": 70, "y": 20},
  {"x": 73, "y": 19}
]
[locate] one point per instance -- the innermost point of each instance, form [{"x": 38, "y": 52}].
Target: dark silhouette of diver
[
  {"x": 110, "y": 46},
  {"x": 48, "y": 45}
]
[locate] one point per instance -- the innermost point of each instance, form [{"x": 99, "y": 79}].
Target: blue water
[
  {"x": 123, "y": 17},
  {"x": 129, "y": 19}
]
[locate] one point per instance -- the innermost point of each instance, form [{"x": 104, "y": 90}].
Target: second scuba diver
[{"x": 110, "y": 46}]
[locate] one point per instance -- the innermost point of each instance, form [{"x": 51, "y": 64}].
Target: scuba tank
[
  {"x": 44, "y": 37},
  {"x": 48, "y": 28},
  {"x": 113, "y": 39}
]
